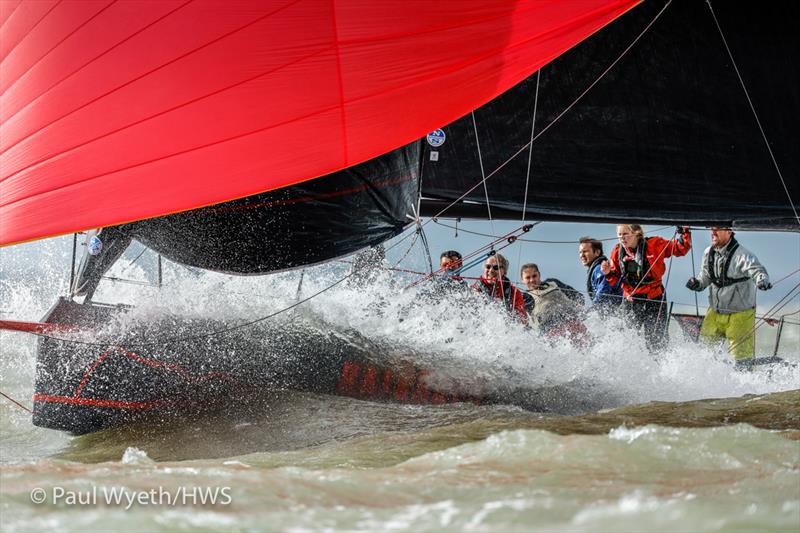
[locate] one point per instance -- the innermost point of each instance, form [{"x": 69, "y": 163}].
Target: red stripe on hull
[{"x": 96, "y": 402}]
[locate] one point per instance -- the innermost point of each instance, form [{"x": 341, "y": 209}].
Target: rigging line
[
  {"x": 694, "y": 275},
  {"x": 792, "y": 273},
  {"x": 666, "y": 283},
  {"x": 300, "y": 284},
  {"x": 530, "y": 157},
  {"x": 777, "y": 307},
  {"x": 763, "y": 320},
  {"x": 411, "y": 247},
  {"x": 662, "y": 228},
  {"x": 426, "y": 247},
  {"x": 170, "y": 340},
  {"x": 510, "y": 237},
  {"x": 12, "y": 400},
  {"x": 406, "y": 236},
  {"x": 483, "y": 172},
  {"x": 753, "y": 109},
  {"x": 564, "y": 112},
  {"x": 497, "y": 239},
  {"x": 144, "y": 249}
]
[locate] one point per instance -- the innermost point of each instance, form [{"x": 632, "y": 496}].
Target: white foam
[{"x": 135, "y": 456}]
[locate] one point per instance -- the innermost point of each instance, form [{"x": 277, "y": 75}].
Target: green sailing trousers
[{"x": 736, "y": 327}]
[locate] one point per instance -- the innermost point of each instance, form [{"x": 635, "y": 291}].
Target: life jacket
[
  {"x": 508, "y": 291},
  {"x": 553, "y": 308},
  {"x": 636, "y": 269},
  {"x": 589, "y": 286},
  {"x": 723, "y": 280}
]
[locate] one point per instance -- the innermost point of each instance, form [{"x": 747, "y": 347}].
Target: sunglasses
[{"x": 491, "y": 267}]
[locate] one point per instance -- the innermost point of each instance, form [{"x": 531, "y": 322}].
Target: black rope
[
  {"x": 12, "y": 400},
  {"x": 436, "y": 221},
  {"x": 427, "y": 248},
  {"x": 170, "y": 340},
  {"x": 144, "y": 249},
  {"x": 696, "y": 304}
]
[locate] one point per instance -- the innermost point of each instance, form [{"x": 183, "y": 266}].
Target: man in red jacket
[
  {"x": 637, "y": 263},
  {"x": 494, "y": 283}
]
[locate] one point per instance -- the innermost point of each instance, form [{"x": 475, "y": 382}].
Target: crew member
[
  {"x": 552, "y": 310},
  {"x": 494, "y": 283},
  {"x": 732, "y": 274},
  {"x": 451, "y": 262},
  {"x": 604, "y": 295},
  {"x": 637, "y": 264}
]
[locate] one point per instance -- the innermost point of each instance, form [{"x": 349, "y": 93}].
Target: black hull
[
  {"x": 155, "y": 370},
  {"x": 118, "y": 371}
]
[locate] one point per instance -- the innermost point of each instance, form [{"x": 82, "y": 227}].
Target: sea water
[{"x": 678, "y": 442}]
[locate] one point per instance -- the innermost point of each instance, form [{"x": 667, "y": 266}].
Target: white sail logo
[{"x": 436, "y": 138}]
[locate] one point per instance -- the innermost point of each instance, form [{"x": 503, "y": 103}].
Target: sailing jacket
[
  {"x": 640, "y": 271},
  {"x": 505, "y": 291},
  {"x": 731, "y": 274},
  {"x": 599, "y": 289}
]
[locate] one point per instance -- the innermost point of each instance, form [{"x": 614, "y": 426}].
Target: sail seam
[
  {"x": 36, "y": 24},
  {"x": 56, "y": 45},
  {"x": 48, "y": 158},
  {"x": 340, "y": 80},
  {"x": 138, "y": 78}
]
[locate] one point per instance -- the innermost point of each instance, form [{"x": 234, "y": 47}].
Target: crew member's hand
[
  {"x": 694, "y": 284},
  {"x": 764, "y": 285},
  {"x": 605, "y": 268}
]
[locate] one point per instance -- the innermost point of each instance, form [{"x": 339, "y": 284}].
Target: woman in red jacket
[
  {"x": 496, "y": 285},
  {"x": 637, "y": 263}
]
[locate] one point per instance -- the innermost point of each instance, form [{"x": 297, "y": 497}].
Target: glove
[
  {"x": 764, "y": 285},
  {"x": 694, "y": 285},
  {"x": 682, "y": 230}
]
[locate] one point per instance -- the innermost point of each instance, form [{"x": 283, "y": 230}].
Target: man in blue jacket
[{"x": 604, "y": 296}]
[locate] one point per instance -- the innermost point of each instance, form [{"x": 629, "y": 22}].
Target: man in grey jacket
[{"x": 732, "y": 274}]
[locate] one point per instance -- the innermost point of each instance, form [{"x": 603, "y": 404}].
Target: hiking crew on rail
[
  {"x": 605, "y": 297},
  {"x": 732, "y": 273},
  {"x": 637, "y": 264},
  {"x": 494, "y": 284}
]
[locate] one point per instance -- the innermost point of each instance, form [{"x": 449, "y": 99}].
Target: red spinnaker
[{"x": 118, "y": 111}]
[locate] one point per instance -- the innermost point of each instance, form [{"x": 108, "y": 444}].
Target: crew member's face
[
  {"x": 587, "y": 254},
  {"x": 627, "y": 237},
  {"x": 492, "y": 270},
  {"x": 720, "y": 236},
  {"x": 450, "y": 263},
  {"x": 531, "y": 278}
]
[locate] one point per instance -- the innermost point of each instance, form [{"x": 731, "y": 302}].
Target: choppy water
[{"x": 683, "y": 442}]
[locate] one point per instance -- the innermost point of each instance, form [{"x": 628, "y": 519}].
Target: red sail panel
[{"x": 118, "y": 111}]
